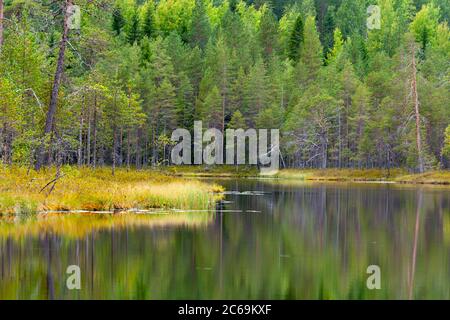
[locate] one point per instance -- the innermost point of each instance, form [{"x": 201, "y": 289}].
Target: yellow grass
[
  {"x": 341, "y": 174},
  {"x": 211, "y": 171},
  {"x": 350, "y": 175},
  {"x": 432, "y": 177},
  {"x": 97, "y": 190},
  {"x": 393, "y": 175}
]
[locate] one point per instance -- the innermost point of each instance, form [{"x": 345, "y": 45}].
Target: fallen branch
[{"x": 52, "y": 181}]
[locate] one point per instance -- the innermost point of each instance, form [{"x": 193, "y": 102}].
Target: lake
[{"x": 268, "y": 239}]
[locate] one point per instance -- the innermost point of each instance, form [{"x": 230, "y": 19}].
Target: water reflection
[{"x": 285, "y": 241}]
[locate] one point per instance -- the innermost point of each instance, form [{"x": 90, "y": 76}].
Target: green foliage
[
  {"x": 446, "y": 146},
  {"x": 296, "y": 40},
  {"x": 148, "y": 29},
  {"x": 237, "y": 121},
  {"x": 134, "y": 32},
  {"x": 200, "y": 28},
  {"x": 118, "y": 21},
  {"x": 329, "y": 25},
  {"x": 338, "y": 44},
  {"x": 268, "y": 34},
  {"x": 341, "y": 94},
  {"x": 351, "y": 17},
  {"x": 424, "y": 24}
]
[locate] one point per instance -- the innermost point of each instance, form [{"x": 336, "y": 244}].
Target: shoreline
[
  {"x": 169, "y": 188},
  {"x": 85, "y": 189},
  {"x": 396, "y": 176}
]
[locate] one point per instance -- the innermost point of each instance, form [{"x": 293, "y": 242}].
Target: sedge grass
[
  {"x": 97, "y": 190},
  {"x": 398, "y": 175}
]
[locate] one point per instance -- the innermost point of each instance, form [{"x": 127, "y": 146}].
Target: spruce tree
[
  {"x": 296, "y": 40},
  {"x": 148, "y": 27},
  {"x": 133, "y": 34},
  {"x": 200, "y": 28},
  {"x": 118, "y": 21}
]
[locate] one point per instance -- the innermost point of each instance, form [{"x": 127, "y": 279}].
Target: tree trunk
[
  {"x": 88, "y": 142},
  {"x": 80, "y": 142},
  {"x": 138, "y": 149},
  {"x": 94, "y": 151},
  {"x": 340, "y": 140},
  {"x": 114, "y": 147},
  {"x": 128, "y": 149},
  {"x": 1, "y": 24},
  {"x": 154, "y": 148},
  {"x": 121, "y": 147},
  {"x": 49, "y": 123},
  {"x": 324, "y": 150},
  {"x": 416, "y": 109}
]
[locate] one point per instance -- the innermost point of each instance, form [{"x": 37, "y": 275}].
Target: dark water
[{"x": 287, "y": 241}]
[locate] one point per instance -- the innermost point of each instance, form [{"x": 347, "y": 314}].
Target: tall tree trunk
[
  {"x": 324, "y": 150},
  {"x": 416, "y": 109},
  {"x": 339, "y": 140},
  {"x": 121, "y": 147},
  {"x": 114, "y": 147},
  {"x": 1, "y": 24},
  {"x": 94, "y": 151},
  {"x": 154, "y": 147},
  {"x": 80, "y": 142},
  {"x": 138, "y": 149},
  {"x": 224, "y": 95},
  {"x": 88, "y": 142},
  {"x": 49, "y": 122},
  {"x": 128, "y": 149}
]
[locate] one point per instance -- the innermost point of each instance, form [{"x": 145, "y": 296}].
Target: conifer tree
[
  {"x": 296, "y": 40},
  {"x": 118, "y": 21},
  {"x": 133, "y": 33},
  {"x": 200, "y": 28},
  {"x": 148, "y": 28}
]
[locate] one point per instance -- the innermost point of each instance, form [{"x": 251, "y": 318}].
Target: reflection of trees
[
  {"x": 308, "y": 242},
  {"x": 414, "y": 251}
]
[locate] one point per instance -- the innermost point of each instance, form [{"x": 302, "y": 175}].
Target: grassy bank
[
  {"x": 97, "y": 190},
  {"x": 223, "y": 171},
  {"x": 355, "y": 175},
  {"x": 394, "y": 175},
  {"x": 23, "y": 192}
]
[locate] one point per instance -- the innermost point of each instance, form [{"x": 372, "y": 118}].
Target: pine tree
[
  {"x": 212, "y": 109},
  {"x": 256, "y": 90},
  {"x": 165, "y": 102},
  {"x": 311, "y": 52},
  {"x": 268, "y": 34}
]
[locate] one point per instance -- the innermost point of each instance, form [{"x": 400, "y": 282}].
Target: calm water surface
[{"x": 280, "y": 241}]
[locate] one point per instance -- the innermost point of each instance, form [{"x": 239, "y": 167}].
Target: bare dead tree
[
  {"x": 415, "y": 97},
  {"x": 49, "y": 123}
]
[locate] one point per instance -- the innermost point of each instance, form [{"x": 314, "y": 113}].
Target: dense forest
[{"x": 111, "y": 91}]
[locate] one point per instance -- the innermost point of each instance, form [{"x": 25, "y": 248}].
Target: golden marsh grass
[{"x": 97, "y": 190}]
